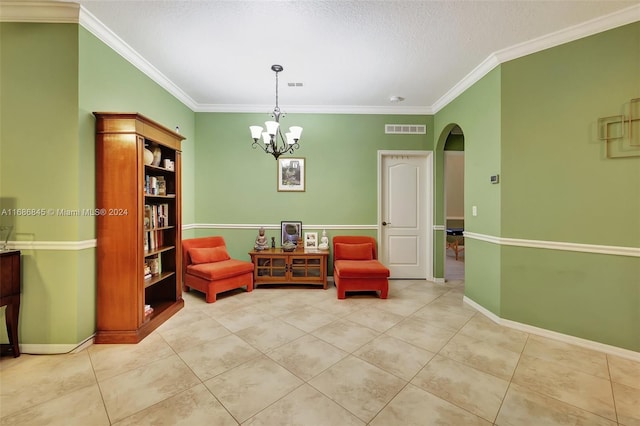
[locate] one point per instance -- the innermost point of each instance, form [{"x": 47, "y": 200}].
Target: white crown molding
[
  {"x": 573, "y": 340},
  {"x": 27, "y": 11},
  {"x": 467, "y": 81},
  {"x": 594, "y": 26},
  {"x": 52, "y": 245},
  {"x": 556, "y": 245},
  {"x": 111, "y": 39},
  {"x": 569, "y": 34},
  {"x": 323, "y": 109},
  {"x": 15, "y": 11}
]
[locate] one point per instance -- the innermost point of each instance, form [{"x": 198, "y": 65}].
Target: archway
[{"x": 451, "y": 187}]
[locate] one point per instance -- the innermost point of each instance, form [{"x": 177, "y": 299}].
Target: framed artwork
[
  {"x": 311, "y": 240},
  {"x": 291, "y": 174},
  {"x": 290, "y": 231}
]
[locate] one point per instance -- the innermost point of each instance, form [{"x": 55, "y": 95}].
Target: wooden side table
[
  {"x": 290, "y": 267},
  {"x": 10, "y": 296}
]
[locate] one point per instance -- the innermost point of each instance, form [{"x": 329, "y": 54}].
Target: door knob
[{"x": 386, "y": 223}]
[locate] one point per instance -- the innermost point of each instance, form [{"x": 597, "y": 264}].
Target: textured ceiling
[{"x": 347, "y": 54}]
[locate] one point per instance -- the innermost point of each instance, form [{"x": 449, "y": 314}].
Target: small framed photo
[
  {"x": 291, "y": 174},
  {"x": 311, "y": 240},
  {"x": 291, "y": 231}
]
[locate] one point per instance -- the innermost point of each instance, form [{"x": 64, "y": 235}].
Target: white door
[{"x": 404, "y": 213}]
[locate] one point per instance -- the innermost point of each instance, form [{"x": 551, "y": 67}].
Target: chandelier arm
[
  {"x": 283, "y": 142},
  {"x": 256, "y": 144}
]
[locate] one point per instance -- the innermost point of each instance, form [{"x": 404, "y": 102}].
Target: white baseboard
[
  {"x": 55, "y": 349},
  {"x": 573, "y": 340}
]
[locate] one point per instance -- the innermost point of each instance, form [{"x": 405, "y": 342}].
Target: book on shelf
[
  {"x": 155, "y": 185},
  {"x": 161, "y": 185},
  {"x": 155, "y": 239},
  {"x": 156, "y": 216},
  {"x": 163, "y": 215},
  {"x": 147, "y": 217}
]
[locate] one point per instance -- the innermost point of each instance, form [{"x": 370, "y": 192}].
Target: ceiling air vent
[{"x": 405, "y": 129}]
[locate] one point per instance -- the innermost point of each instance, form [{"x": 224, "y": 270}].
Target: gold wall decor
[{"x": 621, "y": 133}]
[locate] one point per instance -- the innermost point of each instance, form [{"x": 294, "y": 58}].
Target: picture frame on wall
[
  {"x": 291, "y": 174},
  {"x": 290, "y": 231},
  {"x": 310, "y": 240}
]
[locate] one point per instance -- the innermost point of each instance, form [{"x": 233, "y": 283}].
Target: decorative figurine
[
  {"x": 324, "y": 241},
  {"x": 273, "y": 242},
  {"x": 261, "y": 241}
]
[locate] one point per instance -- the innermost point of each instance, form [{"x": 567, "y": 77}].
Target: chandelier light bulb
[
  {"x": 256, "y": 132},
  {"x": 272, "y": 127},
  {"x": 266, "y": 138}
]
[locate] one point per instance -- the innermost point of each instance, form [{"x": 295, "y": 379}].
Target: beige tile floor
[{"x": 300, "y": 356}]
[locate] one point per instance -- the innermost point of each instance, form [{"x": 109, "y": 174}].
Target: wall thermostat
[{"x": 495, "y": 179}]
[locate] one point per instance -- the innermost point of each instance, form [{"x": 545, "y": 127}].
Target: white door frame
[{"x": 428, "y": 177}]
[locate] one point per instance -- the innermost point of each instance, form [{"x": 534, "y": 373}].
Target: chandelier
[{"x": 272, "y": 140}]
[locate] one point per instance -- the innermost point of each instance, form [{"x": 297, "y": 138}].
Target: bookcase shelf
[
  {"x": 158, "y": 169},
  {"x": 158, "y": 250},
  {"x": 147, "y": 239},
  {"x": 148, "y": 282},
  {"x": 159, "y": 196}
]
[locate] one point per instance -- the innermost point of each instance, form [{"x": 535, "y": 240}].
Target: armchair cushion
[
  {"x": 360, "y": 269},
  {"x": 208, "y": 254},
  {"x": 220, "y": 270},
  {"x": 362, "y": 251}
]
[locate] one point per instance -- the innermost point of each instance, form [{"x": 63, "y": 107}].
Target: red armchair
[
  {"x": 209, "y": 268},
  {"x": 356, "y": 266}
]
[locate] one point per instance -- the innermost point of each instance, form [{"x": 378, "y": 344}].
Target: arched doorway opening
[{"x": 453, "y": 197}]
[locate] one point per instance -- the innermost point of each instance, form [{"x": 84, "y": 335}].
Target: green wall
[
  {"x": 533, "y": 121},
  {"x": 557, "y": 185},
  {"x": 52, "y": 77},
  {"x": 580, "y": 196},
  {"x": 477, "y": 112},
  {"x": 39, "y": 170},
  {"x": 238, "y": 185}
]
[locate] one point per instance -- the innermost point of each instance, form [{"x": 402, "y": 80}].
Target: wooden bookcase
[{"x": 126, "y": 225}]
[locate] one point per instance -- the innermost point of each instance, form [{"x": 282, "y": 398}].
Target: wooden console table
[
  {"x": 10, "y": 296},
  {"x": 275, "y": 265}
]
